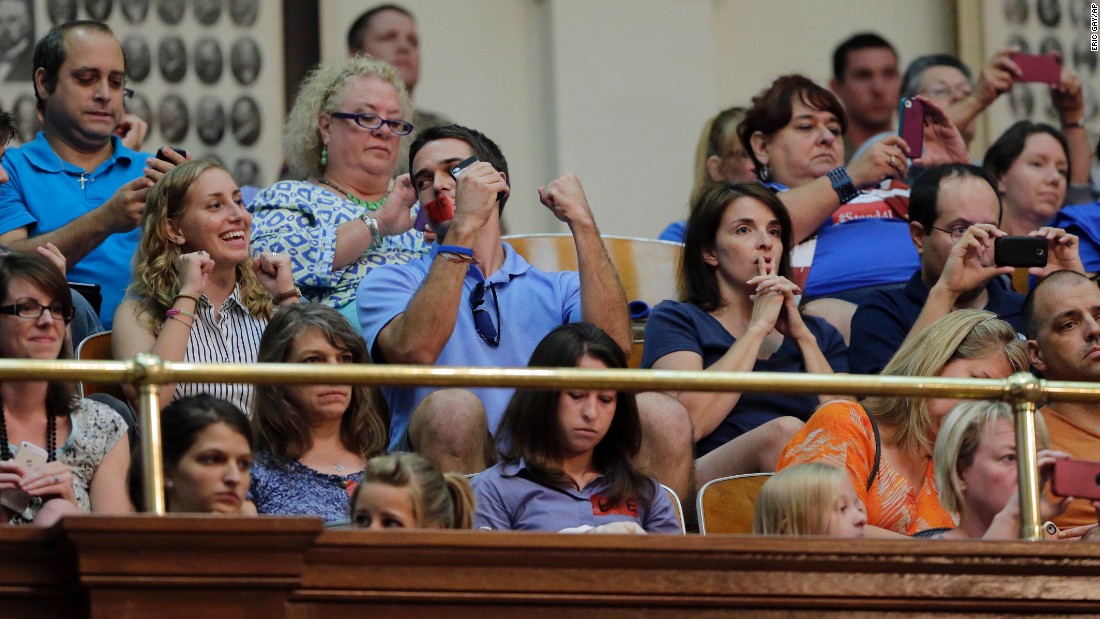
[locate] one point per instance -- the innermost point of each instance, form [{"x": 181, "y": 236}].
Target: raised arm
[
  {"x": 419, "y": 334},
  {"x": 1068, "y": 99},
  {"x": 815, "y": 202},
  {"x": 996, "y": 79},
  {"x": 603, "y": 300}
]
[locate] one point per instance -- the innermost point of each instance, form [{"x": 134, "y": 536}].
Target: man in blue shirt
[
  {"x": 954, "y": 211},
  {"x": 76, "y": 185},
  {"x": 474, "y": 301}
]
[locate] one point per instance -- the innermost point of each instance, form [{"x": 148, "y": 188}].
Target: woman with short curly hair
[{"x": 349, "y": 215}]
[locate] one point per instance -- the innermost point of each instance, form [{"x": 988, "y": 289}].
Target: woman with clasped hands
[{"x": 197, "y": 295}]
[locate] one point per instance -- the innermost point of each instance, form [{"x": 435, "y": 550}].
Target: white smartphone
[{"x": 29, "y": 456}]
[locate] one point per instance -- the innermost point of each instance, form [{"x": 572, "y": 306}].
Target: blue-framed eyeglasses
[
  {"x": 482, "y": 321},
  {"x": 374, "y": 121}
]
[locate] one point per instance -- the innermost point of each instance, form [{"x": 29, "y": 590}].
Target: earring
[
  {"x": 765, "y": 172},
  {"x": 168, "y": 483},
  {"x": 324, "y": 155}
]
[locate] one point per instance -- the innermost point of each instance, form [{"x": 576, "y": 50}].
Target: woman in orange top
[{"x": 886, "y": 443}]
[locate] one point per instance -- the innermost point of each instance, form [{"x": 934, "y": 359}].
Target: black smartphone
[
  {"x": 457, "y": 168},
  {"x": 1020, "y": 251},
  {"x": 911, "y": 125},
  {"x": 179, "y": 151}
]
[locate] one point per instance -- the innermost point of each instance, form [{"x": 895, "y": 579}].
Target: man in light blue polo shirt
[
  {"x": 76, "y": 185},
  {"x": 473, "y": 301}
]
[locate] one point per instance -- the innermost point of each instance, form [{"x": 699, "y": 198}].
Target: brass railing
[{"x": 145, "y": 372}]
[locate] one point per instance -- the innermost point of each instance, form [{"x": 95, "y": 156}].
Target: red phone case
[
  {"x": 1038, "y": 68},
  {"x": 1076, "y": 478},
  {"x": 912, "y": 126}
]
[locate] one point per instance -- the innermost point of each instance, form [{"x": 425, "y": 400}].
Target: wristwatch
[{"x": 293, "y": 292}]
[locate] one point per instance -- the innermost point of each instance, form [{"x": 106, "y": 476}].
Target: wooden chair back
[
  {"x": 677, "y": 506},
  {"x": 727, "y": 504},
  {"x": 647, "y": 267},
  {"x": 98, "y": 347}
]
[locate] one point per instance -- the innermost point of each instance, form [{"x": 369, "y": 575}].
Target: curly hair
[
  {"x": 319, "y": 93},
  {"x": 279, "y": 427},
  {"x": 156, "y": 281}
]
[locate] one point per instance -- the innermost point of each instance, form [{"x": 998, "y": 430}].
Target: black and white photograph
[
  {"x": 208, "y": 60},
  {"x": 171, "y": 11},
  {"x": 16, "y": 40},
  {"x": 61, "y": 11},
  {"x": 26, "y": 117},
  {"x": 139, "y": 106},
  {"x": 245, "y": 60},
  {"x": 139, "y": 58},
  {"x": 207, "y": 12},
  {"x": 99, "y": 10},
  {"x": 210, "y": 120},
  {"x": 1079, "y": 13},
  {"x": 1015, "y": 11},
  {"x": 246, "y": 171},
  {"x": 173, "y": 119},
  {"x": 244, "y": 12},
  {"x": 244, "y": 120},
  {"x": 172, "y": 59},
  {"x": 1019, "y": 42},
  {"x": 1051, "y": 44},
  {"x": 1084, "y": 59},
  {"x": 135, "y": 11},
  {"x": 1022, "y": 101},
  {"x": 1050, "y": 12}
]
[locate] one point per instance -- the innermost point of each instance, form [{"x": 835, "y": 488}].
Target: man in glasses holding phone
[
  {"x": 473, "y": 301},
  {"x": 954, "y": 219}
]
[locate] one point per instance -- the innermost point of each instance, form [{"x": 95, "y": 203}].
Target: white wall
[{"x": 617, "y": 90}]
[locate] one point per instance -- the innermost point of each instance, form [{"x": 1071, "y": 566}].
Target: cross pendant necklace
[{"x": 83, "y": 181}]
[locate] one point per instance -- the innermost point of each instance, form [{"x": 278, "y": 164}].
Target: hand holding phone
[
  {"x": 1076, "y": 478},
  {"x": 178, "y": 151},
  {"x": 911, "y": 125},
  {"x": 1020, "y": 251},
  {"x": 1043, "y": 68}
]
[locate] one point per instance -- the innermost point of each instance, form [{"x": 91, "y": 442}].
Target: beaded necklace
[
  {"x": 51, "y": 437},
  {"x": 354, "y": 199}
]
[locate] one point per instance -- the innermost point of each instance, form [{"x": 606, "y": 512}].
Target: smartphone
[
  {"x": 911, "y": 125},
  {"x": 179, "y": 151},
  {"x": 1020, "y": 251},
  {"x": 457, "y": 169},
  {"x": 29, "y": 456},
  {"x": 1076, "y": 478},
  {"x": 1042, "y": 68},
  {"x": 421, "y": 222}
]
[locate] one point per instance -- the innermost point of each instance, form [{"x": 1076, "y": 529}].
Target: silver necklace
[
  {"x": 83, "y": 180},
  {"x": 338, "y": 467}
]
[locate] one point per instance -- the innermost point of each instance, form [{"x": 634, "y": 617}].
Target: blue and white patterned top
[
  {"x": 300, "y": 219},
  {"x": 294, "y": 489}
]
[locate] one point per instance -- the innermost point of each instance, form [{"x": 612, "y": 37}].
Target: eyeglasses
[
  {"x": 956, "y": 232},
  {"x": 482, "y": 321},
  {"x": 32, "y": 310},
  {"x": 374, "y": 121},
  {"x": 960, "y": 91}
]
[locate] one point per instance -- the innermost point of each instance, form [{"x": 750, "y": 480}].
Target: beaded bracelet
[
  {"x": 182, "y": 321},
  {"x": 177, "y": 312}
]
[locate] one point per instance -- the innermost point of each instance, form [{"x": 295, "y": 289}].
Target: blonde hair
[
  {"x": 718, "y": 138},
  {"x": 960, "y": 435},
  {"x": 798, "y": 500},
  {"x": 962, "y": 334},
  {"x": 156, "y": 280},
  {"x": 319, "y": 93},
  {"x": 439, "y": 499}
]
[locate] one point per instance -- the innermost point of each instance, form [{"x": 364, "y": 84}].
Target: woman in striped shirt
[{"x": 197, "y": 295}]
